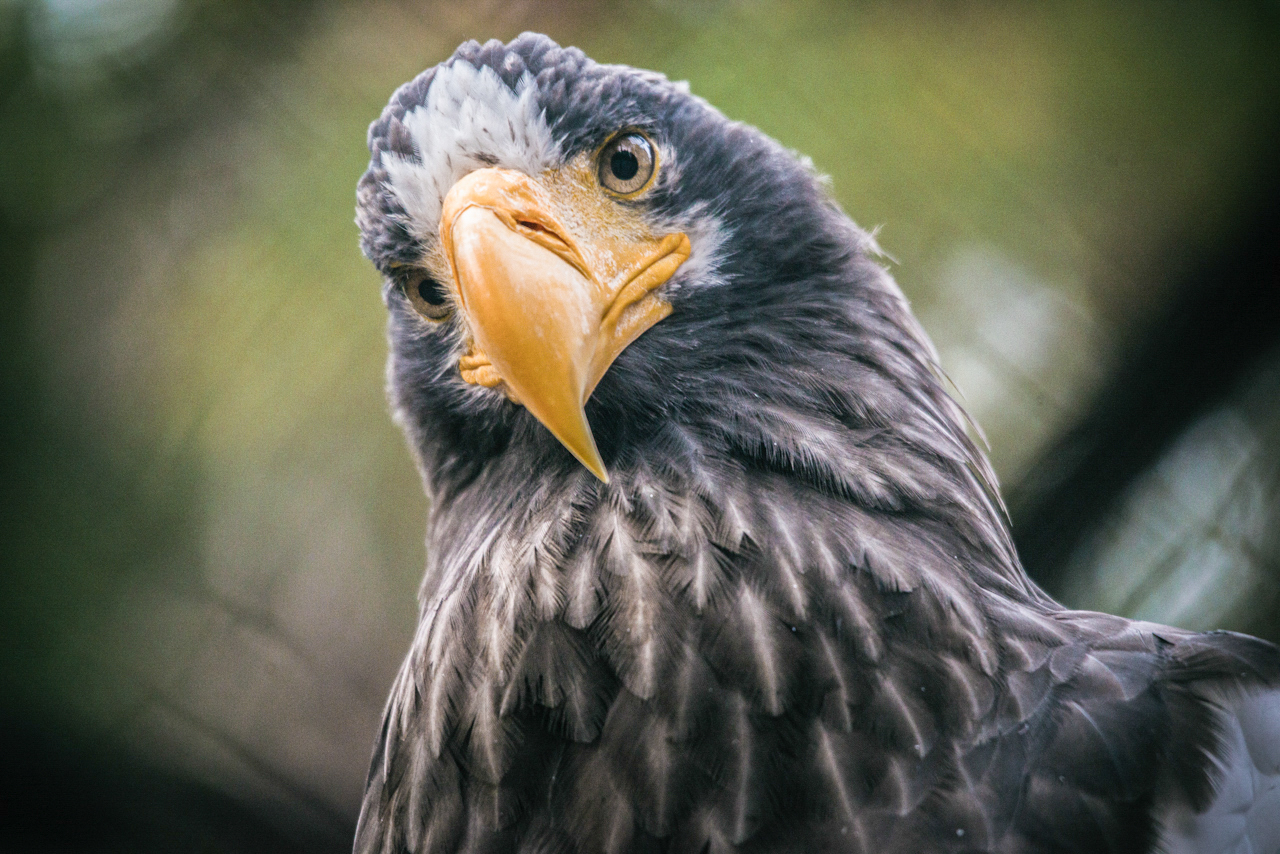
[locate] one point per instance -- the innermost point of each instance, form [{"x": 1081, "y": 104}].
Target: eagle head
[{"x": 586, "y": 264}]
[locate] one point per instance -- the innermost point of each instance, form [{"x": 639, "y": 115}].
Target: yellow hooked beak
[{"x": 549, "y": 307}]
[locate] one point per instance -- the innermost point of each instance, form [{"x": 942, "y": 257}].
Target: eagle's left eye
[
  {"x": 427, "y": 296},
  {"x": 627, "y": 164}
]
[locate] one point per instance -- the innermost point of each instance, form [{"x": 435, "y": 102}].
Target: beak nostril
[
  {"x": 539, "y": 229},
  {"x": 548, "y": 237}
]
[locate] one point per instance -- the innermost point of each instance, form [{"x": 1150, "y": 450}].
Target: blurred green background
[{"x": 212, "y": 531}]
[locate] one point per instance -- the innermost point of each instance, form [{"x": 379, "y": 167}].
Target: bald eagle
[{"x": 713, "y": 564}]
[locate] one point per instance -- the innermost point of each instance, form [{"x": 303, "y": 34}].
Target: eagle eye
[
  {"x": 427, "y": 296},
  {"x": 627, "y": 164}
]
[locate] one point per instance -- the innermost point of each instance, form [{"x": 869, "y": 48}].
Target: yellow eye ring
[{"x": 627, "y": 164}]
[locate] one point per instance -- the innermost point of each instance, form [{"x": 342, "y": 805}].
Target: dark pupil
[
  {"x": 624, "y": 165},
  {"x": 430, "y": 293}
]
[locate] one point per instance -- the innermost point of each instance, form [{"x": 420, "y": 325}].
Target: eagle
[{"x": 713, "y": 563}]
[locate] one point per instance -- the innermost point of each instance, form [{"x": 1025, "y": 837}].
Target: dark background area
[{"x": 212, "y": 532}]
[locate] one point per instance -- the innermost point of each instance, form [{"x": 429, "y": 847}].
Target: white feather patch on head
[{"x": 470, "y": 120}]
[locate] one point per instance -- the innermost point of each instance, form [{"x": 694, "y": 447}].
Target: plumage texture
[{"x": 794, "y": 619}]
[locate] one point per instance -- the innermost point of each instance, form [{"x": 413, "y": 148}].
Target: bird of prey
[{"x": 713, "y": 564}]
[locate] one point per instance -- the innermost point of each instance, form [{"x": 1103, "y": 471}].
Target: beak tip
[{"x": 595, "y": 465}]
